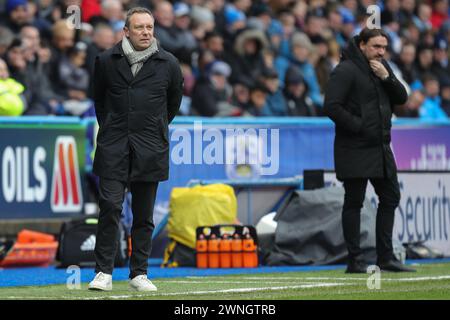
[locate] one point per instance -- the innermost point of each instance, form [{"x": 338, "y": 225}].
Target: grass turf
[{"x": 431, "y": 281}]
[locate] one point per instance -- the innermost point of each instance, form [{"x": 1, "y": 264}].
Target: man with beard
[{"x": 359, "y": 98}]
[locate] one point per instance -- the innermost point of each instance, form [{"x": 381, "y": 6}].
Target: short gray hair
[{"x": 136, "y": 10}]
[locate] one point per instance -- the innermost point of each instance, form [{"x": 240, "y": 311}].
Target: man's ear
[
  {"x": 362, "y": 45},
  {"x": 126, "y": 31}
]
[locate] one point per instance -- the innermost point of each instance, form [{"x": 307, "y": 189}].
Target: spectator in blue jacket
[
  {"x": 301, "y": 48},
  {"x": 431, "y": 107}
]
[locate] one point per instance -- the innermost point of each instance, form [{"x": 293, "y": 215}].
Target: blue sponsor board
[{"x": 42, "y": 170}]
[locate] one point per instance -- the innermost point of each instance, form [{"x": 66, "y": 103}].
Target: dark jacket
[
  {"x": 361, "y": 106},
  {"x": 133, "y": 115}
]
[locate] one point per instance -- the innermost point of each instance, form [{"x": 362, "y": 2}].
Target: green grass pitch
[{"x": 431, "y": 281}]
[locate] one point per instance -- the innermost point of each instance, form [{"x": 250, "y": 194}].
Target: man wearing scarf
[{"x": 137, "y": 89}]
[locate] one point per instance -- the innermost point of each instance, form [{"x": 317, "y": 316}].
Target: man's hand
[{"x": 379, "y": 69}]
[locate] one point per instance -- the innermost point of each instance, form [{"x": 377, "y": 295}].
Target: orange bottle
[
  {"x": 225, "y": 251},
  {"x": 236, "y": 251},
  {"x": 213, "y": 252},
  {"x": 202, "y": 252},
  {"x": 249, "y": 252}
]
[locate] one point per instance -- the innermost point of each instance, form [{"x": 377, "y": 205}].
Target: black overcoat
[
  {"x": 133, "y": 115},
  {"x": 361, "y": 104}
]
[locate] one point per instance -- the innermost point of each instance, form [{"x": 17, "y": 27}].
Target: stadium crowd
[{"x": 238, "y": 57}]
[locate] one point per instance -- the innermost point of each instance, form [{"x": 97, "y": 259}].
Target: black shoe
[
  {"x": 394, "y": 265},
  {"x": 356, "y": 267}
]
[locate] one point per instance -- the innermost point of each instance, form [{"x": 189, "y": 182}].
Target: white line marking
[
  {"x": 203, "y": 292},
  {"x": 341, "y": 278}
]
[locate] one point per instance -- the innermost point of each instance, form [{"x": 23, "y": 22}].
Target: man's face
[
  {"x": 19, "y": 15},
  {"x": 104, "y": 38},
  {"x": 408, "y": 54},
  {"x": 164, "y": 14},
  {"x": 215, "y": 44},
  {"x": 432, "y": 88},
  {"x": 16, "y": 58},
  {"x": 272, "y": 84},
  {"x": 258, "y": 98},
  {"x": 140, "y": 31},
  {"x": 31, "y": 34},
  {"x": 375, "y": 48},
  {"x": 183, "y": 22},
  {"x": 296, "y": 89},
  {"x": 65, "y": 40}
]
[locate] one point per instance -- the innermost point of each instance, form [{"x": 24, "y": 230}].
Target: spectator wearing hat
[
  {"x": 348, "y": 26},
  {"x": 295, "y": 92},
  {"x": 212, "y": 93},
  {"x": 182, "y": 23},
  {"x": 19, "y": 13},
  {"x": 235, "y": 20},
  {"x": 16, "y": 15},
  {"x": 202, "y": 22},
  {"x": 247, "y": 58},
  {"x": 301, "y": 48},
  {"x": 275, "y": 103}
]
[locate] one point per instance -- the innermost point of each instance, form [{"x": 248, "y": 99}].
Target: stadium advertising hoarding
[
  {"x": 42, "y": 170},
  {"x": 424, "y": 210}
]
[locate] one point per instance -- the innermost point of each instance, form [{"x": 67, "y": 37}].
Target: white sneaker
[
  {"x": 142, "y": 283},
  {"x": 102, "y": 282}
]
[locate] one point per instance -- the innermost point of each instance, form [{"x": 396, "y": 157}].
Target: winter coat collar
[
  {"x": 124, "y": 67},
  {"x": 353, "y": 53}
]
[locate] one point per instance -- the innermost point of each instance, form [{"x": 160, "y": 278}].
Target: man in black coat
[
  {"x": 137, "y": 93},
  {"x": 359, "y": 98}
]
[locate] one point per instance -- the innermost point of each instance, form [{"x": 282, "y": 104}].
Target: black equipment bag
[{"x": 77, "y": 243}]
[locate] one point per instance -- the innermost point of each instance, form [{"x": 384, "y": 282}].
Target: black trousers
[
  {"x": 111, "y": 196},
  {"x": 388, "y": 192}
]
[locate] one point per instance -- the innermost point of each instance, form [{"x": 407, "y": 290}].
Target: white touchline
[
  {"x": 240, "y": 290},
  {"x": 346, "y": 279}
]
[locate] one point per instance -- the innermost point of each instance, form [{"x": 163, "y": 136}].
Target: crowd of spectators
[{"x": 238, "y": 57}]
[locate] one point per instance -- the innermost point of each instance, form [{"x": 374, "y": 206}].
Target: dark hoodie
[{"x": 361, "y": 105}]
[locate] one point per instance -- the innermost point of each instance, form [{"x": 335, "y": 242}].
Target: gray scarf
[{"x": 135, "y": 58}]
